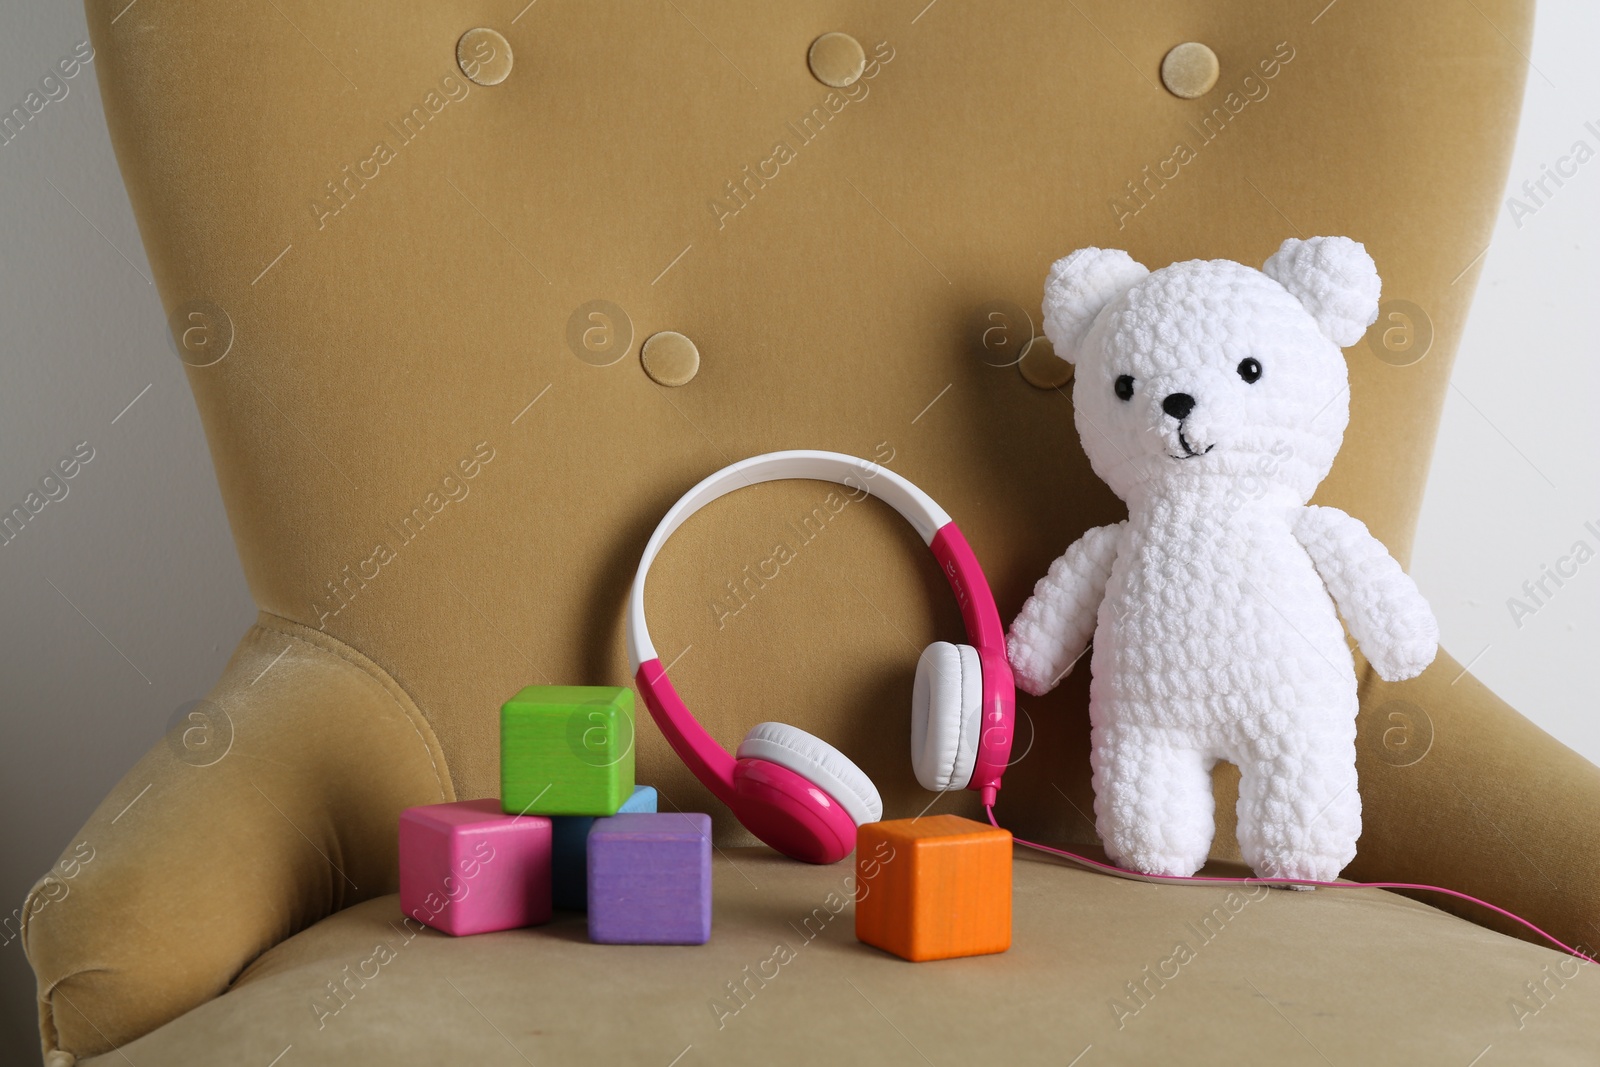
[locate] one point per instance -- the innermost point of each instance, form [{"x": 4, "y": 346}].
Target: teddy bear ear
[
  {"x": 1334, "y": 279},
  {"x": 1079, "y": 287}
]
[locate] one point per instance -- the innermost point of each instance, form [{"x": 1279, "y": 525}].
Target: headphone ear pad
[
  {"x": 818, "y": 762},
  {"x": 946, "y": 713}
]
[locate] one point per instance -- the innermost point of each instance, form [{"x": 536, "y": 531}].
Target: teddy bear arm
[
  {"x": 1380, "y": 603},
  {"x": 1051, "y": 632}
]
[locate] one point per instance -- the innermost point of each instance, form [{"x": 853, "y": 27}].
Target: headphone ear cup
[
  {"x": 818, "y": 762},
  {"x": 946, "y": 709}
]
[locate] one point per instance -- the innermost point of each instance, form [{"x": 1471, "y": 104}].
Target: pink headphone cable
[{"x": 1160, "y": 879}]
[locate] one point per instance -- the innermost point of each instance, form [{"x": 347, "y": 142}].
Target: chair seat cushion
[{"x": 1133, "y": 972}]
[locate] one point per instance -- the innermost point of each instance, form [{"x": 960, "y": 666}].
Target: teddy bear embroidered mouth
[{"x": 1188, "y": 449}]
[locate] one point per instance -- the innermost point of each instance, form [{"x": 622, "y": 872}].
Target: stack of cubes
[{"x": 571, "y": 830}]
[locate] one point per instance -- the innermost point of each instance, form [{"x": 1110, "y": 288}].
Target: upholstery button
[
  {"x": 670, "y": 358},
  {"x": 484, "y": 56},
  {"x": 837, "y": 59},
  {"x": 1041, "y": 367},
  {"x": 1189, "y": 70}
]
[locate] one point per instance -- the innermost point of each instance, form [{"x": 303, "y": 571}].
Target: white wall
[
  {"x": 139, "y": 545},
  {"x": 1517, "y": 472},
  {"x": 147, "y": 598}
]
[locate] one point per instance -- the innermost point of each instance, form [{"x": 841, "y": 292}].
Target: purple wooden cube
[{"x": 650, "y": 879}]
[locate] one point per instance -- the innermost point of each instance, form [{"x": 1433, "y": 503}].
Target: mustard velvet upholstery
[
  {"x": 199, "y": 865},
  {"x": 1364, "y": 978},
  {"x": 436, "y": 501}
]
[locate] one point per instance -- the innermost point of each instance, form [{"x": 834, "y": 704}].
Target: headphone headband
[{"x": 912, "y": 503}]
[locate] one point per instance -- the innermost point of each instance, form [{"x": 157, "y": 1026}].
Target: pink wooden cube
[{"x": 469, "y": 868}]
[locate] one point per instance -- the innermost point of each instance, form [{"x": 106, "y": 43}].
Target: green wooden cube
[{"x": 566, "y": 750}]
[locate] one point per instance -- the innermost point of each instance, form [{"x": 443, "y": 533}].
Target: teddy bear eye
[
  {"x": 1124, "y": 387},
  {"x": 1250, "y": 370}
]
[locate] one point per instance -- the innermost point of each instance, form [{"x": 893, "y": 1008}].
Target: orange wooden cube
[{"x": 933, "y": 888}]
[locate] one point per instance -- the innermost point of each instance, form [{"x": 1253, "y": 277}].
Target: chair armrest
[
  {"x": 1461, "y": 791},
  {"x": 276, "y": 805}
]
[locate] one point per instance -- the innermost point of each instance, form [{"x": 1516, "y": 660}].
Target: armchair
[{"x": 418, "y": 260}]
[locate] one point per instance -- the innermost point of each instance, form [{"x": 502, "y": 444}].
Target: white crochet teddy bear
[{"x": 1212, "y": 399}]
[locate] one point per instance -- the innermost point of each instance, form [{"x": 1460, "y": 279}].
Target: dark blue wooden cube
[{"x": 569, "y": 850}]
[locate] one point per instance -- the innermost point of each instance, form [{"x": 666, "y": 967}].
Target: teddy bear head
[{"x": 1209, "y": 379}]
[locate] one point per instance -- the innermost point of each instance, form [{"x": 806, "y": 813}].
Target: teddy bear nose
[{"x": 1178, "y": 405}]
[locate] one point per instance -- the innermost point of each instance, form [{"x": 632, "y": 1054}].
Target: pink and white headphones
[{"x": 794, "y": 791}]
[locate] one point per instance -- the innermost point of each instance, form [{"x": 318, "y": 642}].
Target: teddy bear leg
[
  {"x": 1152, "y": 800},
  {"x": 1299, "y": 808}
]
